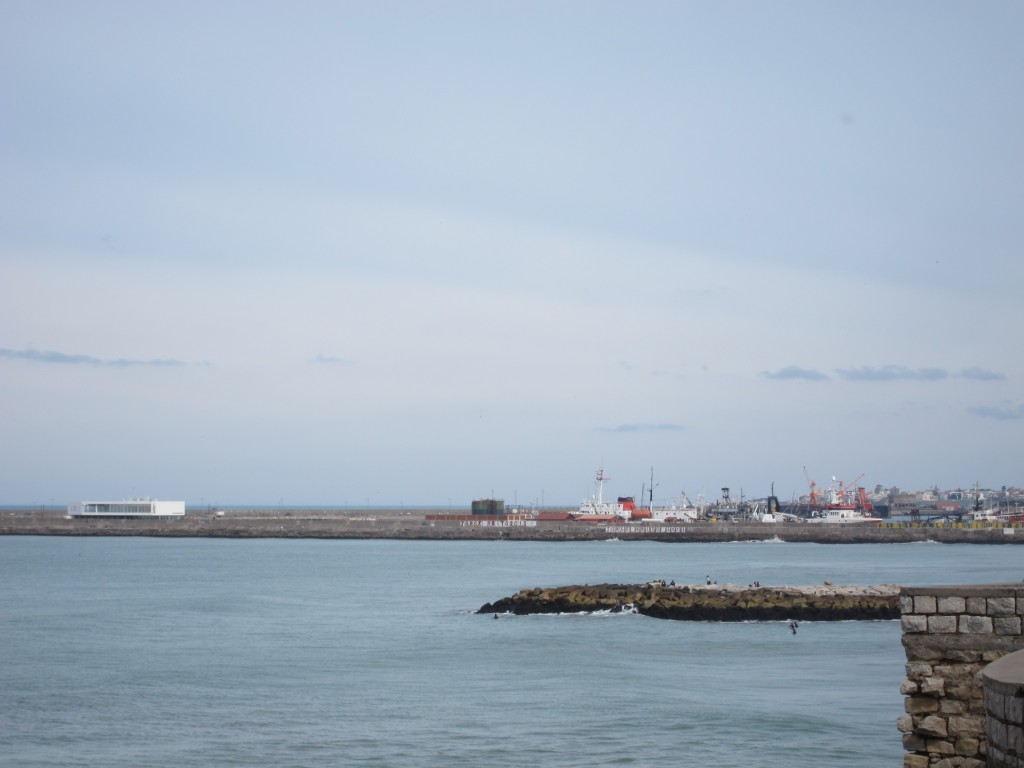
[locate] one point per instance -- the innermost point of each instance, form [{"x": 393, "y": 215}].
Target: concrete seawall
[{"x": 412, "y": 524}]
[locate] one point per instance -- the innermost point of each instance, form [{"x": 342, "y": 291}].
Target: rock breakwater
[
  {"x": 414, "y": 524},
  {"x": 710, "y": 602}
]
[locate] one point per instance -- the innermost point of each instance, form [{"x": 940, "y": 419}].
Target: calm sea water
[{"x": 163, "y": 652}]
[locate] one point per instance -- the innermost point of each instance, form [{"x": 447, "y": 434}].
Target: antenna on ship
[{"x": 600, "y": 484}]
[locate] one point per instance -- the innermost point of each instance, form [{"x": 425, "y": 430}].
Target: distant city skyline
[
  {"x": 987, "y": 494},
  {"x": 401, "y": 253}
]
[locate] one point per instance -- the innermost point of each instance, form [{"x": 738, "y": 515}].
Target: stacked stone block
[
  {"x": 950, "y": 634},
  {"x": 1004, "y": 705}
]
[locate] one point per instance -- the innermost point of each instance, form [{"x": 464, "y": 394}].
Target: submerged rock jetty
[{"x": 710, "y": 602}]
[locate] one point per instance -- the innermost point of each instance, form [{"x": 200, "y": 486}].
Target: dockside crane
[
  {"x": 813, "y": 497},
  {"x": 844, "y": 488},
  {"x": 865, "y": 504}
]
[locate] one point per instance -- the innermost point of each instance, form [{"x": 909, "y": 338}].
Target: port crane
[
  {"x": 813, "y": 498},
  {"x": 862, "y": 497},
  {"x": 841, "y": 490}
]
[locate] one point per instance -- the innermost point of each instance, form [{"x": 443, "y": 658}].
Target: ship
[
  {"x": 596, "y": 509},
  {"x": 680, "y": 511},
  {"x": 840, "y": 509}
]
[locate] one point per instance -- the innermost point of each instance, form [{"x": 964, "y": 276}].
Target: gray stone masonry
[
  {"x": 1004, "y": 706},
  {"x": 951, "y": 634}
]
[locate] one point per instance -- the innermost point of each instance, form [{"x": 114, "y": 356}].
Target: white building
[{"x": 127, "y": 508}]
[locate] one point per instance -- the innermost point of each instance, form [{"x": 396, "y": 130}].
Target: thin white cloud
[
  {"x": 62, "y": 358},
  {"x": 981, "y": 374},
  {"x": 892, "y": 373},
  {"x": 665, "y": 427},
  {"x": 332, "y": 360},
  {"x": 998, "y": 414},
  {"x": 795, "y": 372}
]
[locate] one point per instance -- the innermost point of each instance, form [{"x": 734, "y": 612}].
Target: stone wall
[
  {"x": 1004, "y": 706},
  {"x": 411, "y": 523},
  {"x": 950, "y": 634}
]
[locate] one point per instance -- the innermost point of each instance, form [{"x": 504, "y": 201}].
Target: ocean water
[{"x": 201, "y": 652}]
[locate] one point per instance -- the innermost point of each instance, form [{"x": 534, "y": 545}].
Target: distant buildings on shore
[
  {"x": 952, "y": 501},
  {"x": 127, "y": 508}
]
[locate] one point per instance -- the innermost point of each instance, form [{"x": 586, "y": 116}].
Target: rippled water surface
[{"x": 163, "y": 652}]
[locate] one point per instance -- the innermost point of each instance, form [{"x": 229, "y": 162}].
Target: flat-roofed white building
[{"x": 127, "y": 508}]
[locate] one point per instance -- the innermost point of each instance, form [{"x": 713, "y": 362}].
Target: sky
[{"x": 406, "y": 253}]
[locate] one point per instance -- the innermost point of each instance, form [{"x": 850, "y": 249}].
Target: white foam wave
[{"x": 773, "y": 540}]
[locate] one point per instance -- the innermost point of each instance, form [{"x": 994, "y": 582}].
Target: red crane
[
  {"x": 844, "y": 488},
  {"x": 862, "y": 496},
  {"x": 813, "y": 486}
]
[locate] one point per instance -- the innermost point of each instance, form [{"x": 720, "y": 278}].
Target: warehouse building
[{"x": 127, "y": 508}]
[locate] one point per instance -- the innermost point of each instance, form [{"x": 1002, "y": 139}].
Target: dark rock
[{"x": 714, "y": 603}]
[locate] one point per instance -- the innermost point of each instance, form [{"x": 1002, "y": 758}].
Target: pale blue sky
[{"x": 397, "y": 252}]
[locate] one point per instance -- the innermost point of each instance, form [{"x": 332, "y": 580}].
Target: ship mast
[{"x": 600, "y": 485}]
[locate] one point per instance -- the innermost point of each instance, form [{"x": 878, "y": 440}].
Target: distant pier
[{"x": 413, "y": 523}]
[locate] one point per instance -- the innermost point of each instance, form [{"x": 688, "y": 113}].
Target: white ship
[
  {"x": 597, "y": 507},
  {"x": 680, "y": 511},
  {"x": 840, "y": 510},
  {"x": 844, "y": 515}
]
